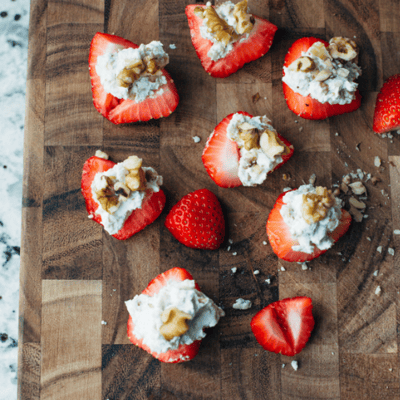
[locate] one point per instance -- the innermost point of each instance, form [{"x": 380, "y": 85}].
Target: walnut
[
  {"x": 106, "y": 196},
  {"x": 302, "y": 64},
  {"x": 244, "y": 24},
  {"x": 122, "y": 191},
  {"x": 132, "y": 163},
  {"x": 136, "y": 180},
  {"x": 101, "y": 154},
  {"x": 271, "y": 145},
  {"x": 319, "y": 50},
  {"x": 248, "y": 133},
  {"x": 343, "y": 48},
  {"x": 130, "y": 73},
  {"x": 316, "y": 205},
  {"x": 174, "y": 323},
  {"x": 222, "y": 31}
]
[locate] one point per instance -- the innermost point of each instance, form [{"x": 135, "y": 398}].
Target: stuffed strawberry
[
  {"x": 123, "y": 197},
  {"x": 197, "y": 220},
  {"x": 305, "y": 223},
  {"x": 318, "y": 77},
  {"x": 129, "y": 83},
  {"x": 168, "y": 319},
  {"x": 226, "y": 37},
  {"x": 243, "y": 149},
  {"x": 284, "y": 326},
  {"x": 387, "y": 108}
]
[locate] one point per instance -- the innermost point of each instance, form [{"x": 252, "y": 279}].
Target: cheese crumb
[
  {"x": 234, "y": 253},
  {"x": 265, "y": 243},
  {"x": 268, "y": 281},
  {"x": 90, "y": 216},
  {"x": 172, "y": 46},
  {"x": 295, "y": 365},
  {"x": 391, "y": 251},
  {"x": 234, "y": 269},
  {"x": 396, "y": 231},
  {"x": 377, "y": 161},
  {"x": 283, "y": 269},
  {"x": 256, "y": 272},
  {"x": 379, "y": 249},
  {"x": 241, "y": 304},
  {"x": 103, "y": 322},
  {"x": 283, "y": 366},
  {"x": 196, "y": 139},
  {"x": 376, "y": 273},
  {"x": 378, "y": 290}
]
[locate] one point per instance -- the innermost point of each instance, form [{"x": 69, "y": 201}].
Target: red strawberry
[
  {"x": 183, "y": 352},
  {"x": 307, "y": 107},
  {"x": 255, "y": 46},
  {"x": 387, "y": 108},
  {"x": 284, "y": 326},
  {"x": 221, "y": 155},
  {"x": 281, "y": 240},
  {"x": 152, "y": 205},
  {"x": 197, "y": 220},
  {"x": 121, "y": 111}
]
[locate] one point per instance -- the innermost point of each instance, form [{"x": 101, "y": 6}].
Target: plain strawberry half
[
  {"x": 284, "y": 326},
  {"x": 307, "y": 107},
  {"x": 183, "y": 352},
  {"x": 197, "y": 220},
  {"x": 121, "y": 111},
  {"x": 387, "y": 108},
  {"x": 221, "y": 155},
  {"x": 244, "y": 51},
  {"x": 282, "y": 242},
  {"x": 152, "y": 205}
]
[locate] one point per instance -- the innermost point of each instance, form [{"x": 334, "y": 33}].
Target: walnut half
[
  {"x": 243, "y": 20},
  {"x": 271, "y": 145},
  {"x": 316, "y": 205},
  {"x": 174, "y": 323}
]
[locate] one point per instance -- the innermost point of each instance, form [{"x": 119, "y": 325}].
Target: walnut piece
[
  {"x": 244, "y": 24},
  {"x": 323, "y": 75},
  {"x": 316, "y": 205},
  {"x": 271, "y": 145},
  {"x": 174, "y": 323},
  {"x": 319, "y": 50},
  {"x": 343, "y": 48},
  {"x": 101, "y": 154},
  {"x": 107, "y": 197},
  {"x": 248, "y": 133},
  {"x": 302, "y": 64}
]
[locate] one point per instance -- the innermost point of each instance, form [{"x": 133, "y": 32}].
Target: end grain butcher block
[{"x": 74, "y": 275}]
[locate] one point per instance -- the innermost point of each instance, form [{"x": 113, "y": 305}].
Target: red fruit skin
[
  {"x": 271, "y": 326},
  {"x": 281, "y": 240},
  {"x": 221, "y": 155},
  {"x": 255, "y": 46},
  {"x": 120, "y": 111},
  {"x": 387, "y": 108},
  {"x": 307, "y": 107},
  {"x": 152, "y": 205},
  {"x": 183, "y": 352},
  {"x": 197, "y": 221}
]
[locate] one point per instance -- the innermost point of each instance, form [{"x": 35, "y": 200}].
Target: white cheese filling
[
  {"x": 112, "y": 223},
  {"x": 309, "y": 235},
  {"x": 110, "y": 65},
  {"x": 337, "y": 89},
  {"x": 219, "y": 49},
  {"x": 254, "y": 164},
  {"x": 146, "y": 314}
]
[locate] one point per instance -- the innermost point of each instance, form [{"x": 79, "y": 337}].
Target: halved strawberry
[
  {"x": 307, "y": 107},
  {"x": 197, "y": 220},
  {"x": 183, "y": 352},
  {"x": 244, "y": 51},
  {"x": 282, "y": 242},
  {"x": 284, "y": 326},
  {"x": 151, "y": 208},
  {"x": 221, "y": 155},
  {"x": 387, "y": 108},
  {"x": 121, "y": 111}
]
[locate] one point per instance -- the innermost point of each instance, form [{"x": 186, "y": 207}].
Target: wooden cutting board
[{"x": 74, "y": 276}]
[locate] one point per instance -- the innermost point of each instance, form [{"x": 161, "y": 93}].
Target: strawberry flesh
[
  {"x": 305, "y": 106},
  {"x": 152, "y": 205},
  {"x": 221, "y": 155},
  {"x": 121, "y": 111},
  {"x": 244, "y": 51},
  {"x": 284, "y": 326},
  {"x": 282, "y": 242},
  {"x": 197, "y": 221},
  {"x": 183, "y": 352},
  {"x": 387, "y": 108}
]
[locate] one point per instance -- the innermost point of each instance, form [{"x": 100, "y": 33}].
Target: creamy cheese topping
[
  {"x": 146, "y": 314},
  {"x": 254, "y": 164},
  {"x": 309, "y": 235},
  {"x": 112, "y": 67},
  {"x": 219, "y": 48},
  {"x": 113, "y": 222},
  {"x": 335, "y": 83}
]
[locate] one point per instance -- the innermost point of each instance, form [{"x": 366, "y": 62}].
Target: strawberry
[
  {"x": 307, "y": 107},
  {"x": 151, "y": 208},
  {"x": 197, "y": 220},
  {"x": 221, "y": 155},
  {"x": 284, "y": 326},
  {"x": 281, "y": 240},
  {"x": 387, "y": 108},
  {"x": 121, "y": 111},
  {"x": 183, "y": 352},
  {"x": 244, "y": 51}
]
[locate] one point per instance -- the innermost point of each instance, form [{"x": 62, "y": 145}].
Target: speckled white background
[{"x": 14, "y": 21}]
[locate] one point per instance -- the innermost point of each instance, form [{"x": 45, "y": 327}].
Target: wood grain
[{"x": 29, "y": 361}]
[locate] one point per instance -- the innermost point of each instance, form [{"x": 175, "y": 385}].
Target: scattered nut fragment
[
  {"x": 357, "y": 204},
  {"x": 356, "y": 214},
  {"x": 375, "y": 180},
  {"x": 343, "y": 48},
  {"x": 316, "y": 205},
  {"x": 286, "y": 177},
  {"x": 271, "y": 145},
  {"x": 357, "y": 188},
  {"x": 101, "y": 154},
  {"x": 174, "y": 323},
  {"x": 302, "y": 64},
  {"x": 377, "y": 161},
  {"x": 256, "y": 97}
]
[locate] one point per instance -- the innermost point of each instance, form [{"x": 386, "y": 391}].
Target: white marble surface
[{"x": 14, "y": 20}]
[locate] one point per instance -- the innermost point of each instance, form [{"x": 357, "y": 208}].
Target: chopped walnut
[
  {"x": 106, "y": 196},
  {"x": 302, "y": 64},
  {"x": 319, "y": 50},
  {"x": 174, "y": 323},
  {"x": 248, "y": 133},
  {"x": 342, "y": 48},
  {"x": 316, "y": 205},
  {"x": 244, "y": 23},
  {"x": 271, "y": 145}
]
